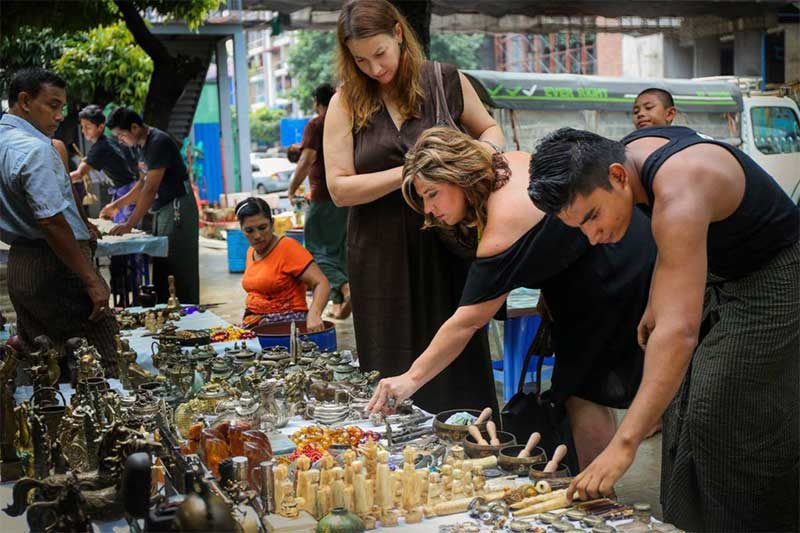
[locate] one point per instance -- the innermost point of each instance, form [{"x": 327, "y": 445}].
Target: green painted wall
[{"x": 208, "y": 108}]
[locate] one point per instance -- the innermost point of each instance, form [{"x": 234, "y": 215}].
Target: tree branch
[{"x": 148, "y": 42}]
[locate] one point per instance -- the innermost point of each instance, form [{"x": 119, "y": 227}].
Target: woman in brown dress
[{"x": 404, "y": 282}]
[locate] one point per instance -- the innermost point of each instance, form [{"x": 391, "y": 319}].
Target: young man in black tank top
[{"x": 724, "y": 355}]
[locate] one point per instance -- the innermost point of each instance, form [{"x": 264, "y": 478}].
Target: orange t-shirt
[{"x": 272, "y": 283}]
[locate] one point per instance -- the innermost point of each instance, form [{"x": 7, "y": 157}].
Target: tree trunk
[
  {"x": 418, "y": 14},
  {"x": 171, "y": 74}
]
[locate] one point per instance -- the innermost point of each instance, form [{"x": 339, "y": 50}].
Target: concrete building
[
  {"x": 766, "y": 48},
  {"x": 268, "y": 70}
]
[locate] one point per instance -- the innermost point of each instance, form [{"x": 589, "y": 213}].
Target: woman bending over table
[{"x": 595, "y": 294}]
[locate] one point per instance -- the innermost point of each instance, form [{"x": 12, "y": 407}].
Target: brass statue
[
  {"x": 99, "y": 489},
  {"x": 10, "y": 463},
  {"x": 89, "y": 364},
  {"x": 172, "y": 302},
  {"x": 44, "y": 370},
  {"x": 131, "y": 375}
]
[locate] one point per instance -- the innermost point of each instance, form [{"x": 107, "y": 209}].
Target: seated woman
[
  {"x": 596, "y": 295},
  {"x": 278, "y": 272}
]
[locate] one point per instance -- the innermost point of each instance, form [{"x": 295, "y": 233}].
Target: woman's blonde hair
[
  {"x": 446, "y": 155},
  {"x": 360, "y": 19}
]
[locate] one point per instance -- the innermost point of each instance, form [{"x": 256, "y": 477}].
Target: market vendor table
[
  {"x": 110, "y": 246},
  {"x": 141, "y": 344},
  {"x": 141, "y": 341}
]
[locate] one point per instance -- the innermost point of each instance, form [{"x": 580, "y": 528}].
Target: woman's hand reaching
[{"x": 390, "y": 392}]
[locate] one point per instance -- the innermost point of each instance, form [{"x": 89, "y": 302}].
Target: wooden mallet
[
  {"x": 558, "y": 456},
  {"x": 533, "y": 440}
]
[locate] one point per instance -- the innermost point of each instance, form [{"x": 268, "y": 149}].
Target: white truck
[{"x": 528, "y": 106}]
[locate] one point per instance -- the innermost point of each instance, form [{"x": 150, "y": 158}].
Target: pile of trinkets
[{"x": 205, "y": 428}]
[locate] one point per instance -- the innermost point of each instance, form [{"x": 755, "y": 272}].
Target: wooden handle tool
[
  {"x": 533, "y": 440},
  {"x": 491, "y": 429},
  {"x": 476, "y": 434},
  {"x": 485, "y": 415},
  {"x": 558, "y": 456}
]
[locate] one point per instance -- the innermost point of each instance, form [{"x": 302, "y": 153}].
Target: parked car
[{"x": 271, "y": 174}]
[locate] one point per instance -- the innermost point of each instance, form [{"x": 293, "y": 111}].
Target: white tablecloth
[{"x": 109, "y": 246}]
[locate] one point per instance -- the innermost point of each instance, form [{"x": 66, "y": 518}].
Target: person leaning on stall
[
  {"x": 594, "y": 295},
  {"x": 52, "y": 282},
  {"x": 404, "y": 283},
  {"x": 721, "y": 329},
  {"x": 166, "y": 192},
  {"x": 277, "y": 272}
]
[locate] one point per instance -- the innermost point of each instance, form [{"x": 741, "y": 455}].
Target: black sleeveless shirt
[
  {"x": 596, "y": 294},
  {"x": 766, "y": 221}
]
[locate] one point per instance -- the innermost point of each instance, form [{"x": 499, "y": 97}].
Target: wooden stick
[
  {"x": 558, "y": 456},
  {"x": 460, "y": 505},
  {"x": 533, "y": 440},
  {"x": 484, "y": 416},
  {"x": 476, "y": 434},
  {"x": 539, "y": 498},
  {"x": 483, "y": 462},
  {"x": 491, "y": 429},
  {"x": 549, "y": 505}
]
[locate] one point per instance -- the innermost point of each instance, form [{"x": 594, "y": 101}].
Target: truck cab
[
  {"x": 770, "y": 134},
  {"x": 527, "y": 106}
]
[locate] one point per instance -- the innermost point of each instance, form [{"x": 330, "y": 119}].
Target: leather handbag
[{"x": 535, "y": 411}]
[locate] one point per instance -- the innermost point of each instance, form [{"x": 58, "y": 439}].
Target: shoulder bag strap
[
  {"x": 443, "y": 116},
  {"x": 537, "y": 347}
]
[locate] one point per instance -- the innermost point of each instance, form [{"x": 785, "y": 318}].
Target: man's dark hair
[
  {"x": 93, "y": 114},
  {"x": 323, "y": 94},
  {"x": 662, "y": 94},
  {"x": 31, "y": 80},
  {"x": 568, "y": 163},
  {"x": 252, "y": 206},
  {"x": 123, "y": 118}
]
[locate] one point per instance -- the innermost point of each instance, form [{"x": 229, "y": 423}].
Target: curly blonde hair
[
  {"x": 446, "y": 155},
  {"x": 360, "y": 19}
]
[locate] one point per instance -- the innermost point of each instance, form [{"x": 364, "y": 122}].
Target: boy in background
[{"x": 653, "y": 107}]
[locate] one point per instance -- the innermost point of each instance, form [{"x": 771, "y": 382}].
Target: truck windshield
[{"x": 776, "y": 130}]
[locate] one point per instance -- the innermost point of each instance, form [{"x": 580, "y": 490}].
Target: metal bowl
[
  {"x": 508, "y": 461},
  {"x": 476, "y": 451},
  {"x": 453, "y": 433},
  {"x": 536, "y": 471}
]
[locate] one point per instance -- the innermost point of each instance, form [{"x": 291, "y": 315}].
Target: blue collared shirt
[{"x": 33, "y": 183}]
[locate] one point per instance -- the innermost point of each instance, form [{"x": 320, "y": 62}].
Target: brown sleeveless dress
[{"x": 405, "y": 284}]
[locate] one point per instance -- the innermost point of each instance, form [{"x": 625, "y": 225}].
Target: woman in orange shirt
[{"x": 278, "y": 273}]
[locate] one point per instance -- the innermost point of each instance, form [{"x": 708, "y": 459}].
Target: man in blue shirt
[{"x": 52, "y": 282}]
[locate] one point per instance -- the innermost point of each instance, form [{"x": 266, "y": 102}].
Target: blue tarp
[
  {"x": 292, "y": 130},
  {"x": 209, "y": 135}
]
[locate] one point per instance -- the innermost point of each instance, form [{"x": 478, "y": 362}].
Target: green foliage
[
  {"x": 265, "y": 125},
  {"x": 58, "y": 16},
  {"x": 192, "y": 12},
  {"x": 105, "y": 65},
  {"x": 28, "y": 47},
  {"x": 459, "y": 49},
  {"x": 66, "y": 17},
  {"x": 311, "y": 63}
]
